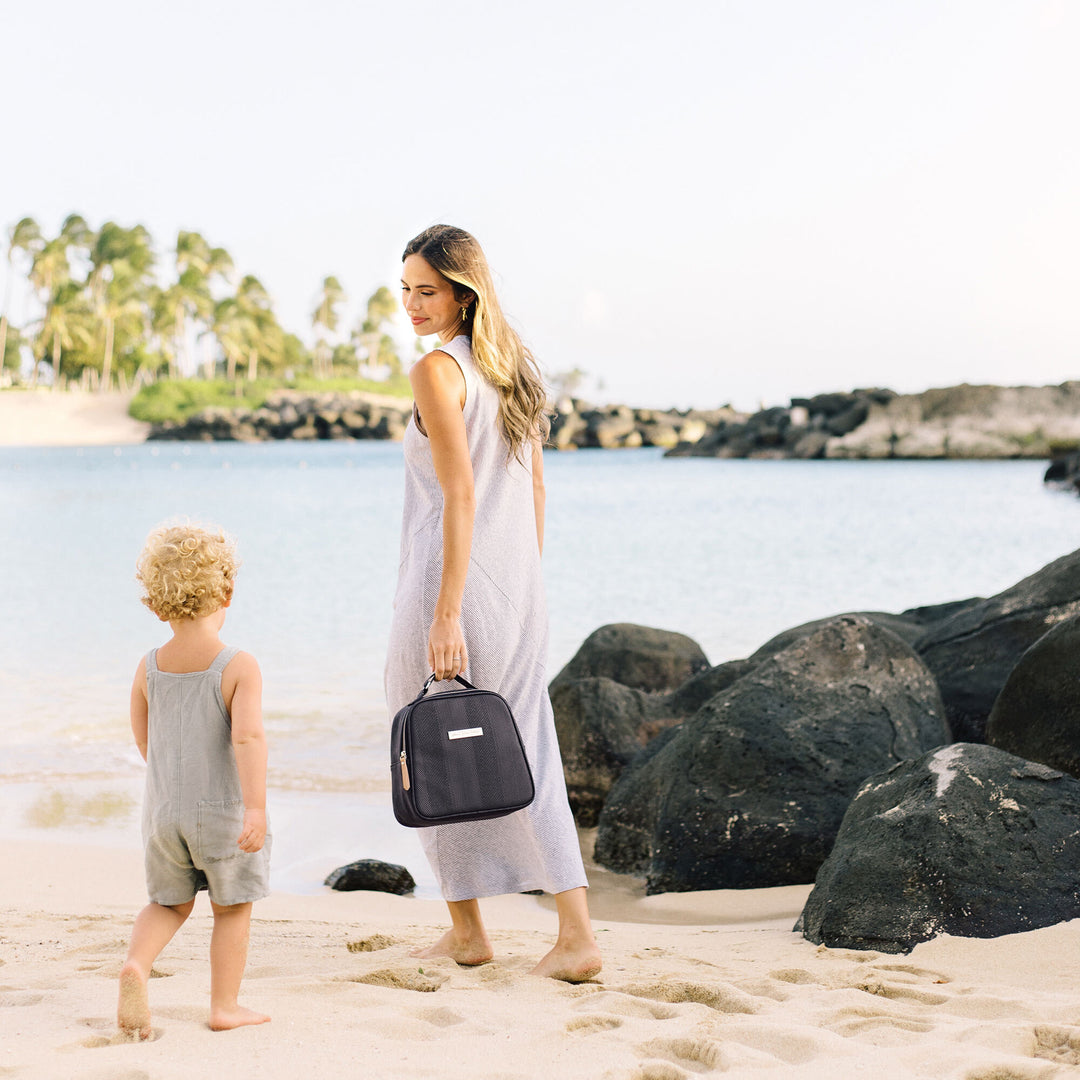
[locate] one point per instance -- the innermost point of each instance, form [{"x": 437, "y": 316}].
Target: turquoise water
[{"x": 729, "y": 552}]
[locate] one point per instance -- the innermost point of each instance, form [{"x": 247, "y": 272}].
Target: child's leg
[
  {"x": 228, "y": 956},
  {"x": 154, "y": 929}
]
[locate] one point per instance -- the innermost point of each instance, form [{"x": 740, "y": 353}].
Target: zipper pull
[{"x": 404, "y": 771}]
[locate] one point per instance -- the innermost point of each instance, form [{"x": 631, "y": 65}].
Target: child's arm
[
  {"x": 249, "y": 745},
  {"x": 140, "y": 709}
]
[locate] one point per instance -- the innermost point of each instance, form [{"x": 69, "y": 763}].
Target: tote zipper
[{"x": 404, "y": 770}]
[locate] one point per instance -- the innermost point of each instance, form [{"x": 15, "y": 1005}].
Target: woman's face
[{"x": 428, "y": 298}]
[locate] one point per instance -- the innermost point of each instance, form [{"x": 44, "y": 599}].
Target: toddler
[{"x": 196, "y": 713}]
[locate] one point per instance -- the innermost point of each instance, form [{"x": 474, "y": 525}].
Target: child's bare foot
[
  {"x": 133, "y": 1010},
  {"x": 571, "y": 965},
  {"x": 237, "y": 1016},
  {"x": 466, "y": 951}
]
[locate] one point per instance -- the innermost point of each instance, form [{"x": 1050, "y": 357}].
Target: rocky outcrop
[
  {"x": 972, "y": 653},
  {"x": 603, "y": 725},
  {"x": 579, "y": 425},
  {"x": 638, "y": 656},
  {"x": 966, "y": 840},
  {"x": 1064, "y": 472},
  {"x": 968, "y": 422},
  {"x": 909, "y": 625},
  {"x": 292, "y": 414},
  {"x": 610, "y": 700},
  {"x": 750, "y": 790},
  {"x": 803, "y": 430},
  {"x": 951, "y": 422},
  {"x": 373, "y": 876},
  {"x": 1037, "y": 714}
]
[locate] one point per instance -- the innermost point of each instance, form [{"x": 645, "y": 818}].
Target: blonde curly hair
[{"x": 187, "y": 571}]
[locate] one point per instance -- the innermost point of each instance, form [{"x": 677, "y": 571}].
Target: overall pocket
[{"x": 220, "y": 825}]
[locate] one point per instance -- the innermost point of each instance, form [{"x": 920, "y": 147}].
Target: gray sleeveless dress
[
  {"x": 193, "y": 808},
  {"x": 504, "y": 619}
]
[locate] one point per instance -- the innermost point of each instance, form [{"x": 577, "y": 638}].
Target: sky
[{"x": 694, "y": 203}]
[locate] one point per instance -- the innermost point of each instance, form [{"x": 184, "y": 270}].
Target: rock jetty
[
  {"x": 294, "y": 414},
  {"x": 984, "y": 422}
]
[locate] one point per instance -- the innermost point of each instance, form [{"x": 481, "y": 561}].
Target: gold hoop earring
[{"x": 464, "y": 311}]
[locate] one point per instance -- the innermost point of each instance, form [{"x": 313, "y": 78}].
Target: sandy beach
[
  {"x": 69, "y": 418},
  {"x": 693, "y": 984}
]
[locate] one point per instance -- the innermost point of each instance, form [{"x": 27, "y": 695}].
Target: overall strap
[{"x": 222, "y": 659}]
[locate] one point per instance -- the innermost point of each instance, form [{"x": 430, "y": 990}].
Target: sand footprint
[
  {"x": 595, "y": 1022},
  {"x": 372, "y": 943},
  {"x": 660, "y": 1070},
  {"x": 612, "y": 1001},
  {"x": 938, "y": 977},
  {"x": 1060, "y": 1044},
  {"x": 110, "y": 1036},
  {"x": 878, "y": 988},
  {"x": 692, "y": 1054},
  {"x": 12, "y": 997},
  {"x": 719, "y": 996},
  {"x": 425, "y": 982},
  {"x": 439, "y": 1017},
  {"x": 858, "y": 1021}
]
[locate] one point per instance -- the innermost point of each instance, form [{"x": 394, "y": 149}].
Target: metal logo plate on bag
[{"x": 465, "y": 733}]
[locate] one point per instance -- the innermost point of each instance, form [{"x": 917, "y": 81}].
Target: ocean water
[{"x": 729, "y": 552}]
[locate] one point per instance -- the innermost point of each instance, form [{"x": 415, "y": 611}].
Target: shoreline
[
  {"x": 42, "y": 417},
  {"x": 675, "y": 999}
]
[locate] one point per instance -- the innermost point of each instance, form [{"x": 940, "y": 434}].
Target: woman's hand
[{"x": 446, "y": 647}]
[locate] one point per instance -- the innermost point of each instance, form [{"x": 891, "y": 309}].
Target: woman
[{"x": 470, "y": 595}]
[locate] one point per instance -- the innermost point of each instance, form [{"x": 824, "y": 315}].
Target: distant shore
[{"x": 67, "y": 418}]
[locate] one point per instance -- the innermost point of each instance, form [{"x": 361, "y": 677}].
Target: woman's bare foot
[
  {"x": 467, "y": 951},
  {"x": 571, "y": 965},
  {"x": 238, "y": 1016},
  {"x": 133, "y": 1010}
]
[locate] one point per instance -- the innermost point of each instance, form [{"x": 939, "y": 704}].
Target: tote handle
[{"x": 431, "y": 678}]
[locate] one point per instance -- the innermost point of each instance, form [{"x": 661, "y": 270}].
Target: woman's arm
[
  {"x": 539, "y": 494},
  {"x": 439, "y": 391},
  {"x": 249, "y": 744}
]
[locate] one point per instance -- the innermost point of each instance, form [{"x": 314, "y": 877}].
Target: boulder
[
  {"x": 603, "y": 725},
  {"x": 966, "y": 840},
  {"x": 909, "y": 625},
  {"x": 972, "y": 653},
  {"x": 1037, "y": 714},
  {"x": 372, "y": 876},
  {"x": 638, "y": 656},
  {"x": 1064, "y": 472},
  {"x": 750, "y": 791}
]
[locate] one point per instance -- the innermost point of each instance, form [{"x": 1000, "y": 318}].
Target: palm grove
[{"x": 106, "y": 317}]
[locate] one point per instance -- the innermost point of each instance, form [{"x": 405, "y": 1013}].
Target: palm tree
[
  {"x": 199, "y": 268},
  {"x": 24, "y": 236},
  {"x": 50, "y": 272},
  {"x": 67, "y": 324},
  {"x": 369, "y": 335},
  {"x": 247, "y": 328},
  {"x": 122, "y": 261},
  {"x": 325, "y": 320}
]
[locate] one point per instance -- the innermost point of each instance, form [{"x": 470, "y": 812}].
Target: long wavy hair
[{"x": 497, "y": 349}]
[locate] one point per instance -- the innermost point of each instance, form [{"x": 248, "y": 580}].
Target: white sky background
[{"x": 695, "y": 202}]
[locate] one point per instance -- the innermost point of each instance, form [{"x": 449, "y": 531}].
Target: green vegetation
[
  {"x": 177, "y": 399},
  {"x": 109, "y": 311}
]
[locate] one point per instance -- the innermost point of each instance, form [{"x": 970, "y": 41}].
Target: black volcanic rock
[
  {"x": 966, "y": 840},
  {"x": 1037, "y": 714},
  {"x": 751, "y": 789},
  {"x": 373, "y": 876},
  {"x": 972, "y": 653}
]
